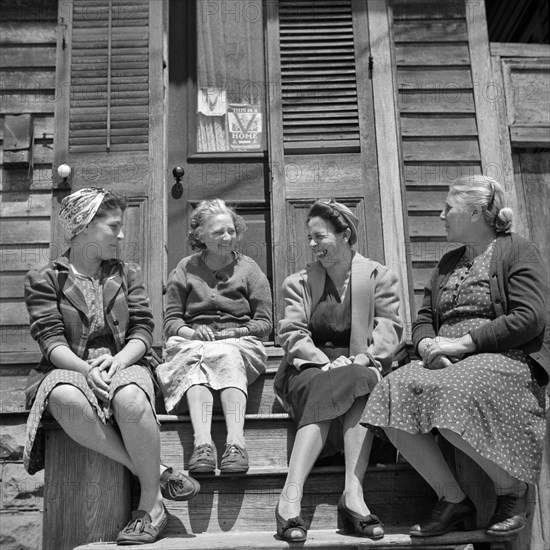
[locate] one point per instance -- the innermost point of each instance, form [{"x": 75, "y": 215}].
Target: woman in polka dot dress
[
  {"x": 91, "y": 316},
  {"x": 484, "y": 364}
]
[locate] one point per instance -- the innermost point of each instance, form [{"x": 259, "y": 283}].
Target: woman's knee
[
  {"x": 131, "y": 404},
  {"x": 67, "y": 402}
]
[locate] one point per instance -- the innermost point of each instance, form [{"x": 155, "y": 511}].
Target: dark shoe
[
  {"x": 291, "y": 530},
  {"x": 365, "y": 526},
  {"x": 445, "y": 517},
  {"x": 202, "y": 460},
  {"x": 141, "y": 530},
  {"x": 178, "y": 486},
  {"x": 234, "y": 460},
  {"x": 509, "y": 516}
]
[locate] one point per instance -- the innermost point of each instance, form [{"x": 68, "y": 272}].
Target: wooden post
[{"x": 86, "y": 495}]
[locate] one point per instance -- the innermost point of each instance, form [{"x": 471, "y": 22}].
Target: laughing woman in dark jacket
[
  {"x": 480, "y": 334},
  {"x": 90, "y": 314}
]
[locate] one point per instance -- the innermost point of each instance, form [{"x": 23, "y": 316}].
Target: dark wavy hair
[
  {"x": 331, "y": 215},
  {"x": 111, "y": 201}
]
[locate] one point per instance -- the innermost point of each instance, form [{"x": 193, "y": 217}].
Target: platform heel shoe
[
  {"x": 292, "y": 529},
  {"x": 447, "y": 516},
  {"x": 364, "y": 526}
]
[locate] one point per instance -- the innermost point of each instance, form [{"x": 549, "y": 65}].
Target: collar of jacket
[
  {"x": 112, "y": 281},
  {"x": 362, "y": 292}
]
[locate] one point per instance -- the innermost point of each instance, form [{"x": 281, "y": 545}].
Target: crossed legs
[{"x": 137, "y": 446}]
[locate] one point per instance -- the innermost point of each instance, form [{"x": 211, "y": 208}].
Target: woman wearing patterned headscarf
[
  {"x": 340, "y": 331},
  {"x": 90, "y": 314}
]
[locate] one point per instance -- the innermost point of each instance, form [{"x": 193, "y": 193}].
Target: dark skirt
[{"x": 316, "y": 396}]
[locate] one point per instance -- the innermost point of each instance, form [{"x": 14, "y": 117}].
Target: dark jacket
[
  {"x": 59, "y": 315},
  {"x": 519, "y": 290}
]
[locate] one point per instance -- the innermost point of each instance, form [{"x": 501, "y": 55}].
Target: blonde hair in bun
[{"x": 488, "y": 195}]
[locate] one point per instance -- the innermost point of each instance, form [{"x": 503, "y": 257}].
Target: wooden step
[
  {"x": 396, "y": 493},
  {"x": 269, "y": 439},
  {"x": 320, "y": 540}
]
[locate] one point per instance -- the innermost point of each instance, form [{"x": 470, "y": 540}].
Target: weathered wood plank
[
  {"x": 31, "y": 32},
  {"x": 437, "y": 102},
  {"x": 425, "y": 125},
  {"x": 75, "y": 475},
  {"x": 438, "y": 173},
  {"x": 33, "y": 56},
  {"x": 440, "y": 54},
  {"x": 530, "y": 136},
  {"x": 430, "y": 31},
  {"x": 11, "y": 286},
  {"x": 422, "y": 78},
  {"x": 43, "y": 127},
  {"x": 423, "y": 201},
  {"x": 426, "y": 249},
  {"x": 13, "y": 380},
  {"x": 41, "y": 179},
  {"x": 18, "y": 347},
  {"x": 33, "y": 80},
  {"x": 530, "y": 93},
  {"x": 14, "y": 313},
  {"x": 427, "y": 9},
  {"x": 426, "y": 226},
  {"x": 23, "y": 256},
  {"x": 450, "y": 149},
  {"x": 508, "y": 49},
  {"x": 34, "y": 102},
  {"x": 30, "y": 231},
  {"x": 25, "y": 205}
]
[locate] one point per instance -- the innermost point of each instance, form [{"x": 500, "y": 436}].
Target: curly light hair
[{"x": 203, "y": 211}]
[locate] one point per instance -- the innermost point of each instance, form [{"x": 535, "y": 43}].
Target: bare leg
[
  {"x": 234, "y": 406},
  {"x": 201, "y": 402},
  {"x": 503, "y": 481},
  {"x": 424, "y": 455},
  {"x": 141, "y": 436},
  {"x": 69, "y": 406},
  {"x": 357, "y": 446},
  {"x": 308, "y": 444}
]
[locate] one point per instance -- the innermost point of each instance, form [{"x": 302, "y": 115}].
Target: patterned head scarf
[
  {"x": 79, "y": 209},
  {"x": 349, "y": 217}
]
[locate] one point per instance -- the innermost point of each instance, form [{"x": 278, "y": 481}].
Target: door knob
[{"x": 177, "y": 189}]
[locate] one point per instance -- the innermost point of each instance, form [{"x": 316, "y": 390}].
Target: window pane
[{"x": 230, "y": 76}]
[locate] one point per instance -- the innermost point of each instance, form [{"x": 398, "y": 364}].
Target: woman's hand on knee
[
  {"x": 108, "y": 365},
  {"x": 97, "y": 384}
]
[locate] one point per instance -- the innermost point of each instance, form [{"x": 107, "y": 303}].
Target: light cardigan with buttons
[
  {"x": 375, "y": 324},
  {"x": 518, "y": 283}
]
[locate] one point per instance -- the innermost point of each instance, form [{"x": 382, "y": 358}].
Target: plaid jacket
[{"x": 59, "y": 315}]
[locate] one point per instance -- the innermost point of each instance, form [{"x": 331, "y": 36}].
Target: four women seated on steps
[{"x": 479, "y": 333}]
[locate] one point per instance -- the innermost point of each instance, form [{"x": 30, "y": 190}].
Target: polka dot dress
[
  {"x": 490, "y": 399},
  {"x": 100, "y": 342}
]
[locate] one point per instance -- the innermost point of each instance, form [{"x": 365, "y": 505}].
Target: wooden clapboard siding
[
  {"x": 27, "y": 72},
  {"x": 439, "y": 130}
]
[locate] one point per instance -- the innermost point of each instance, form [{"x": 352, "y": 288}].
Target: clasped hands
[
  {"x": 441, "y": 352},
  {"x": 342, "y": 361},
  {"x": 204, "y": 332},
  {"x": 102, "y": 370}
]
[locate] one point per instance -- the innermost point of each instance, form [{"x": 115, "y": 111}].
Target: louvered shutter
[
  {"x": 109, "y": 88},
  {"x": 318, "y": 75}
]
